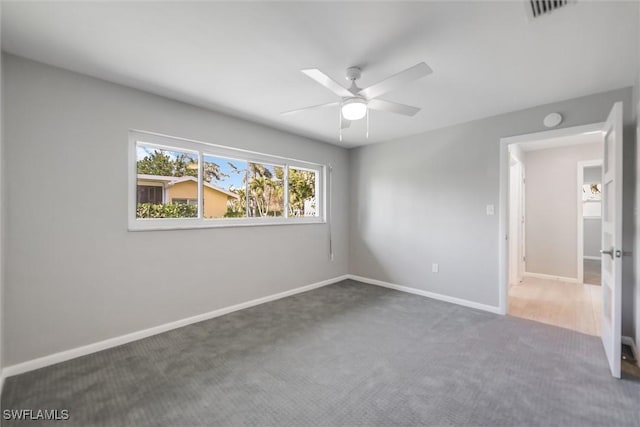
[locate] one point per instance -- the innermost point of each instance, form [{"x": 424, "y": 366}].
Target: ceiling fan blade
[
  {"x": 388, "y": 84},
  {"x": 313, "y": 107},
  {"x": 327, "y": 82},
  {"x": 392, "y": 107}
]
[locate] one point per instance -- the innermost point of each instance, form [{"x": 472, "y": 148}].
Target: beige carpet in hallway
[{"x": 568, "y": 305}]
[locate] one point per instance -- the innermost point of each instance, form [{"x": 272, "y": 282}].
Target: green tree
[
  {"x": 160, "y": 163},
  {"x": 266, "y": 190},
  {"x": 156, "y": 163},
  {"x": 212, "y": 171},
  {"x": 302, "y": 186},
  {"x": 170, "y": 210}
]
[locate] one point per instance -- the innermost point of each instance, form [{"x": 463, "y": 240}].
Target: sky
[{"x": 233, "y": 178}]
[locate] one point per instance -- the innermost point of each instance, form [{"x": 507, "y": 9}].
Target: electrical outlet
[
  {"x": 434, "y": 268},
  {"x": 490, "y": 210}
]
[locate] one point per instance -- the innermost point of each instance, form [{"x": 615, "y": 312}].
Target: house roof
[{"x": 172, "y": 180}]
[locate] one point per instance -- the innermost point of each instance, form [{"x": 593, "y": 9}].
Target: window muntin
[{"x": 204, "y": 185}]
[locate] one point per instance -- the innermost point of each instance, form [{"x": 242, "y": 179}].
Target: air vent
[{"x": 537, "y": 8}]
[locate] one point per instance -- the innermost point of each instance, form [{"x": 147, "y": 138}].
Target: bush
[
  {"x": 234, "y": 214},
  {"x": 170, "y": 210}
]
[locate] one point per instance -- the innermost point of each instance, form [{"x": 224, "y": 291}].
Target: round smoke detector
[{"x": 552, "y": 120}]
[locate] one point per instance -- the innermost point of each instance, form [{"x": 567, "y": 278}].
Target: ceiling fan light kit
[
  {"x": 355, "y": 103},
  {"x": 354, "y": 109}
]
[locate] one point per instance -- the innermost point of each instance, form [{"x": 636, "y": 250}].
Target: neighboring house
[{"x": 170, "y": 189}]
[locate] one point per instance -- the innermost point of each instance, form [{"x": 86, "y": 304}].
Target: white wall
[
  {"x": 75, "y": 275},
  {"x": 422, "y": 199},
  {"x": 551, "y": 208}
]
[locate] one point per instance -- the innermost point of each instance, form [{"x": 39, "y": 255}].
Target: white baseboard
[
  {"x": 73, "y": 353},
  {"x": 432, "y": 295},
  {"x": 594, "y": 258},
  {"x": 631, "y": 343},
  {"x": 551, "y": 277}
]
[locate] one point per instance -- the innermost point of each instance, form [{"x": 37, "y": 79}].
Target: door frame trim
[
  {"x": 503, "y": 211},
  {"x": 520, "y": 251}
]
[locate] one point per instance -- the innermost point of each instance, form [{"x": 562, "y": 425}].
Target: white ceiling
[{"x": 244, "y": 58}]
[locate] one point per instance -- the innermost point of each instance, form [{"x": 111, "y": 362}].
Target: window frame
[{"x": 208, "y": 149}]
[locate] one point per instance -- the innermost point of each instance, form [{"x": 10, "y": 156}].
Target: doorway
[
  {"x": 609, "y": 134},
  {"x": 554, "y": 222}
]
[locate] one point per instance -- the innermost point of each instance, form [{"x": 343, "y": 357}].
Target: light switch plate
[
  {"x": 490, "y": 210},
  {"x": 434, "y": 268}
]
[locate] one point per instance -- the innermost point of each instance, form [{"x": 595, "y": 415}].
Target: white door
[
  {"x": 611, "y": 252},
  {"x": 514, "y": 223},
  {"x": 522, "y": 232}
]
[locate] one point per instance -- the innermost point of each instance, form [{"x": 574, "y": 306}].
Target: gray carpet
[{"x": 344, "y": 355}]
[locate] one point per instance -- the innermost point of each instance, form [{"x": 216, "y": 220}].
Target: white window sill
[{"x": 196, "y": 223}]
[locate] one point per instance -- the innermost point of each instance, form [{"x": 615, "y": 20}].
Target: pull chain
[
  {"x": 367, "y": 123},
  {"x": 340, "y": 121}
]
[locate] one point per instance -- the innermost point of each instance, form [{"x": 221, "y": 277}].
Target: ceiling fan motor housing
[{"x": 354, "y": 73}]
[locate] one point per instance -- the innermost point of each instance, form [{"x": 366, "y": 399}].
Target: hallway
[{"x": 567, "y": 305}]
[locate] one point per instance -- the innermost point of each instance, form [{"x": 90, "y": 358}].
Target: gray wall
[
  {"x": 592, "y": 174},
  {"x": 421, "y": 200},
  {"x": 592, "y": 236},
  {"x": 75, "y": 275},
  {"x": 551, "y": 210}
]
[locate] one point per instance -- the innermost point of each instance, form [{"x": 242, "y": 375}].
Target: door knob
[{"x": 609, "y": 252}]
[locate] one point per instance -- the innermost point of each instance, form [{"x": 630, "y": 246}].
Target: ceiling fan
[{"x": 355, "y": 102}]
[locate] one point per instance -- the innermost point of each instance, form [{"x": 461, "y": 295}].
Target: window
[
  {"x": 265, "y": 187},
  {"x": 150, "y": 194},
  {"x": 177, "y": 183},
  {"x": 303, "y": 188},
  {"x": 163, "y": 176},
  {"x": 592, "y": 200}
]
